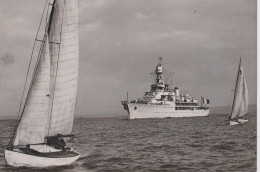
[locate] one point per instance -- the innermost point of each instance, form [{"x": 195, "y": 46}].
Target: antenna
[{"x": 160, "y": 59}]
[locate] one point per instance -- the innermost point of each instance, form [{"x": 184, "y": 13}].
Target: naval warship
[{"x": 163, "y": 102}]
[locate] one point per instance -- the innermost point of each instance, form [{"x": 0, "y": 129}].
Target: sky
[{"x": 120, "y": 41}]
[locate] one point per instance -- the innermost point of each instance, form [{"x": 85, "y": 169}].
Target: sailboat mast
[
  {"x": 236, "y": 86},
  {"x": 51, "y": 15}
]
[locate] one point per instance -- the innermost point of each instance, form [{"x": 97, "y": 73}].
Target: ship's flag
[{"x": 205, "y": 101}]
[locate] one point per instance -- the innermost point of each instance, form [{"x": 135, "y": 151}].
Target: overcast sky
[{"x": 120, "y": 42}]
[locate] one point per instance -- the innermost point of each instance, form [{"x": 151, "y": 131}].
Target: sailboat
[
  {"x": 240, "y": 100},
  {"x": 46, "y": 118}
]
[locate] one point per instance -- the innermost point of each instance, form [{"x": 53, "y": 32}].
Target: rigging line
[
  {"x": 231, "y": 92},
  {"x": 239, "y": 68},
  {"x": 33, "y": 77},
  {"x": 52, "y": 100},
  {"x": 229, "y": 102},
  {"x": 47, "y": 17},
  {"x": 35, "y": 70},
  {"x": 51, "y": 17},
  {"x": 18, "y": 115}
]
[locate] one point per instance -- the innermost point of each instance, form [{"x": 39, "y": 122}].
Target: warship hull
[{"x": 161, "y": 111}]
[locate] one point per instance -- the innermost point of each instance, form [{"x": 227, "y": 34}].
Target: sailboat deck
[{"x": 60, "y": 154}]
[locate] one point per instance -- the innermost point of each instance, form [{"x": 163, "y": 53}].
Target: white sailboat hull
[
  {"x": 162, "y": 111},
  {"x": 233, "y": 123},
  {"x": 20, "y": 159},
  {"x": 239, "y": 121},
  {"x": 242, "y": 120}
]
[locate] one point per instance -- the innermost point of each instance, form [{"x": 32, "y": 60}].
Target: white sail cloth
[
  {"x": 64, "y": 51},
  {"x": 240, "y": 105},
  {"x": 51, "y": 101},
  {"x": 31, "y": 128},
  {"x": 244, "y": 102}
]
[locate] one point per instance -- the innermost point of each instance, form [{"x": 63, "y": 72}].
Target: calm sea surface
[{"x": 182, "y": 144}]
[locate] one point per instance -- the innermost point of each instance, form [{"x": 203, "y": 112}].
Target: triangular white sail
[
  {"x": 238, "y": 94},
  {"x": 64, "y": 51},
  {"x": 244, "y": 102},
  {"x": 50, "y": 105},
  {"x": 31, "y": 128},
  {"x": 240, "y": 103},
  {"x": 241, "y": 111}
]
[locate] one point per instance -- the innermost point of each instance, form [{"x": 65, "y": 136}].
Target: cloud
[{"x": 120, "y": 41}]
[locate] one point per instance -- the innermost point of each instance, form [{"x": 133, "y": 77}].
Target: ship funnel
[{"x": 176, "y": 91}]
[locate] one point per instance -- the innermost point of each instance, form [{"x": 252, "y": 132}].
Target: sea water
[{"x": 181, "y": 144}]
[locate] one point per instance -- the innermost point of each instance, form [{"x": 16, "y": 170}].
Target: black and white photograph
[{"x": 128, "y": 85}]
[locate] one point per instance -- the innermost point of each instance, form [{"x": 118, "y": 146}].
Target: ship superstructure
[{"x": 162, "y": 101}]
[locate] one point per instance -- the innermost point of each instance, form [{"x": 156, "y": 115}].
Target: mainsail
[
  {"x": 240, "y": 102},
  {"x": 64, "y": 51},
  {"x": 50, "y": 105},
  {"x": 244, "y": 102}
]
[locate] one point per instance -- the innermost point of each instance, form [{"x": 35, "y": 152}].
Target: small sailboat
[
  {"x": 46, "y": 118},
  {"x": 240, "y": 100}
]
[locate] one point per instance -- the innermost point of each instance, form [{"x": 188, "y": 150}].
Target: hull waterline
[
  {"x": 242, "y": 120},
  {"x": 138, "y": 111},
  {"x": 20, "y": 159},
  {"x": 233, "y": 123}
]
